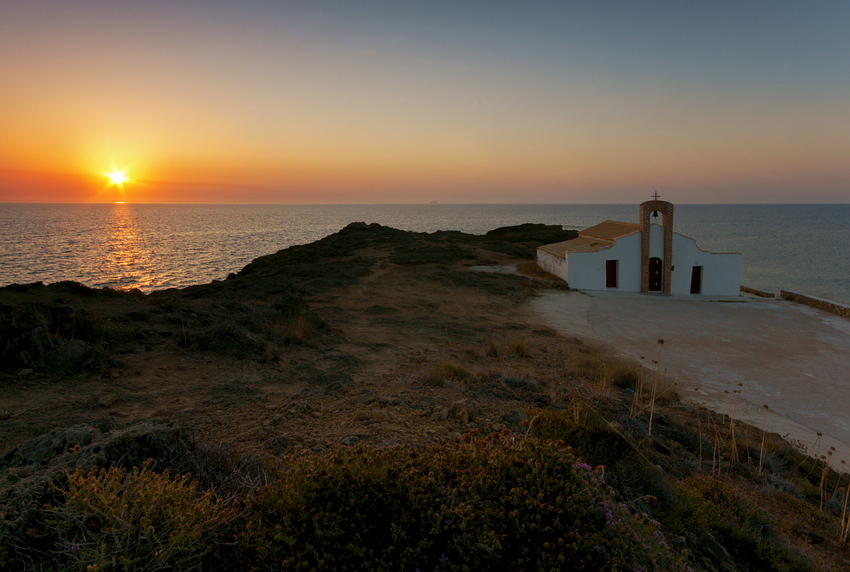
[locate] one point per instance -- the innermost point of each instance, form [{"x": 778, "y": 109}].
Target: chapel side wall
[
  {"x": 553, "y": 264},
  {"x": 582, "y": 271},
  {"x": 723, "y": 278},
  {"x": 686, "y": 255},
  {"x": 587, "y": 269},
  {"x": 627, "y": 251},
  {"x": 721, "y": 273}
]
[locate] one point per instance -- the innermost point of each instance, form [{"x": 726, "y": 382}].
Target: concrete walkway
[{"x": 790, "y": 357}]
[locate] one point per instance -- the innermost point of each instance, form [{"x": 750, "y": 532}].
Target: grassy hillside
[{"x": 368, "y": 402}]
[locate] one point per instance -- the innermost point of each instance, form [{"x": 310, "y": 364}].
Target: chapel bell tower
[{"x": 656, "y": 272}]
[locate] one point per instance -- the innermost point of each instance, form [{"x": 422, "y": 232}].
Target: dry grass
[
  {"x": 532, "y": 269},
  {"x": 298, "y": 329},
  {"x": 443, "y": 372},
  {"x": 518, "y": 349},
  {"x": 514, "y": 349}
]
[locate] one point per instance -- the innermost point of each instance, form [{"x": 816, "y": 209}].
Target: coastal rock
[
  {"x": 76, "y": 355},
  {"x": 532, "y": 233},
  {"x": 463, "y": 411},
  {"x": 51, "y": 339},
  {"x": 29, "y": 471},
  {"x": 383, "y": 416},
  {"x": 280, "y": 444},
  {"x": 440, "y": 415},
  {"x": 362, "y": 415},
  {"x": 228, "y": 338},
  {"x": 35, "y": 347},
  {"x": 42, "y": 449},
  {"x": 374, "y": 415},
  {"x": 38, "y": 351},
  {"x": 514, "y": 418},
  {"x": 127, "y": 447},
  {"x": 351, "y": 440}
]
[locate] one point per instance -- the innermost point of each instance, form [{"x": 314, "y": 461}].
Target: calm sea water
[{"x": 796, "y": 247}]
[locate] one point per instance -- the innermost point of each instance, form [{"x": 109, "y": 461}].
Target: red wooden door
[
  {"x": 696, "y": 280},
  {"x": 610, "y": 273},
  {"x": 655, "y": 274}
]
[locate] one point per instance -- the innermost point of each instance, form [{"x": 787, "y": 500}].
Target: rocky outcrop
[
  {"x": 28, "y": 472},
  {"x": 230, "y": 339},
  {"x": 533, "y": 234},
  {"x": 50, "y": 338}
]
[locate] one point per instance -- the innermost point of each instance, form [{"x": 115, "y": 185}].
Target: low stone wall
[
  {"x": 755, "y": 292},
  {"x": 819, "y": 303}
]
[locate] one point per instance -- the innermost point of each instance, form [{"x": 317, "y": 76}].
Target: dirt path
[{"x": 790, "y": 357}]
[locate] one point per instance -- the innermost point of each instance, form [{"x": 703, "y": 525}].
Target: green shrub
[
  {"x": 494, "y": 502},
  {"x": 623, "y": 376},
  {"x": 595, "y": 443},
  {"x": 137, "y": 520},
  {"x": 736, "y": 523}
]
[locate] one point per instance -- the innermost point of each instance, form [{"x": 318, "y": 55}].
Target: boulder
[{"x": 228, "y": 338}]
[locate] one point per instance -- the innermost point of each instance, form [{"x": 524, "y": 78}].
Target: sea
[{"x": 799, "y": 247}]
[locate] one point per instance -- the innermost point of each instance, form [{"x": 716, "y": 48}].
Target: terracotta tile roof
[
  {"x": 592, "y": 239},
  {"x": 610, "y": 230},
  {"x": 580, "y": 244}
]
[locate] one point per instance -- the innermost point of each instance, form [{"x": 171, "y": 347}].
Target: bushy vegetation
[
  {"x": 705, "y": 510},
  {"x": 483, "y": 503},
  {"x": 711, "y": 505},
  {"x": 136, "y": 520},
  {"x": 498, "y": 502}
]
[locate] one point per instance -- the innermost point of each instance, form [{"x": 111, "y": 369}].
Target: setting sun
[{"x": 117, "y": 177}]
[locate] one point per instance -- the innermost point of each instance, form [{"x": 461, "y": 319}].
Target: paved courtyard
[{"x": 793, "y": 358}]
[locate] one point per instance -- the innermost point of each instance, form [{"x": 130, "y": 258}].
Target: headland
[{"x": 384, "y": 339}]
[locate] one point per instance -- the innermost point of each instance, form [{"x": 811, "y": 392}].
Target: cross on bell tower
[{"x": 656, "y": 196}]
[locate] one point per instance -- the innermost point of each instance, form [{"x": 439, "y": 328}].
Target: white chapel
[{"x": 642, "y": 257}]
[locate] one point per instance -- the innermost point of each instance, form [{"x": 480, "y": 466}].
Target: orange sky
[{"x": 386, "y": 103}]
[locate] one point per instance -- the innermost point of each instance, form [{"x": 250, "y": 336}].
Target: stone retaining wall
[
  {"x": 755, "y": 292},
  {"x": 819, "y": 303}
]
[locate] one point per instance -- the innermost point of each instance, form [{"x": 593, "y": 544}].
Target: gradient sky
[{"x": 398, "y": 102}]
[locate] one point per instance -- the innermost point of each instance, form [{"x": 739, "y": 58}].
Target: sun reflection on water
[{"x": 127, "y": 262}]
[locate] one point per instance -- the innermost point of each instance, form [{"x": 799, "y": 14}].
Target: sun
[{"x": 117, "y": 178}]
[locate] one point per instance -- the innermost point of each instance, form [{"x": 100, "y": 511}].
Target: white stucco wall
[
  {"x": 627, "y": 253},
  {"x": 553, "y": 264},
  {"x": 656, "y": 241},
  {"x": 721, "y": 273},
  {"x": 581, "y": 271},
  {"x": 724, "y": 279},
  {"x": 587, "y": 269}
]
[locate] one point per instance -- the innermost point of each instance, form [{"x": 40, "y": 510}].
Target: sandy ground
[{"x": 732, "y": 355}]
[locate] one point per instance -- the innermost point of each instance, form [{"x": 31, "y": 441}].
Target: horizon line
[{"x": 433, "y": 203}]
